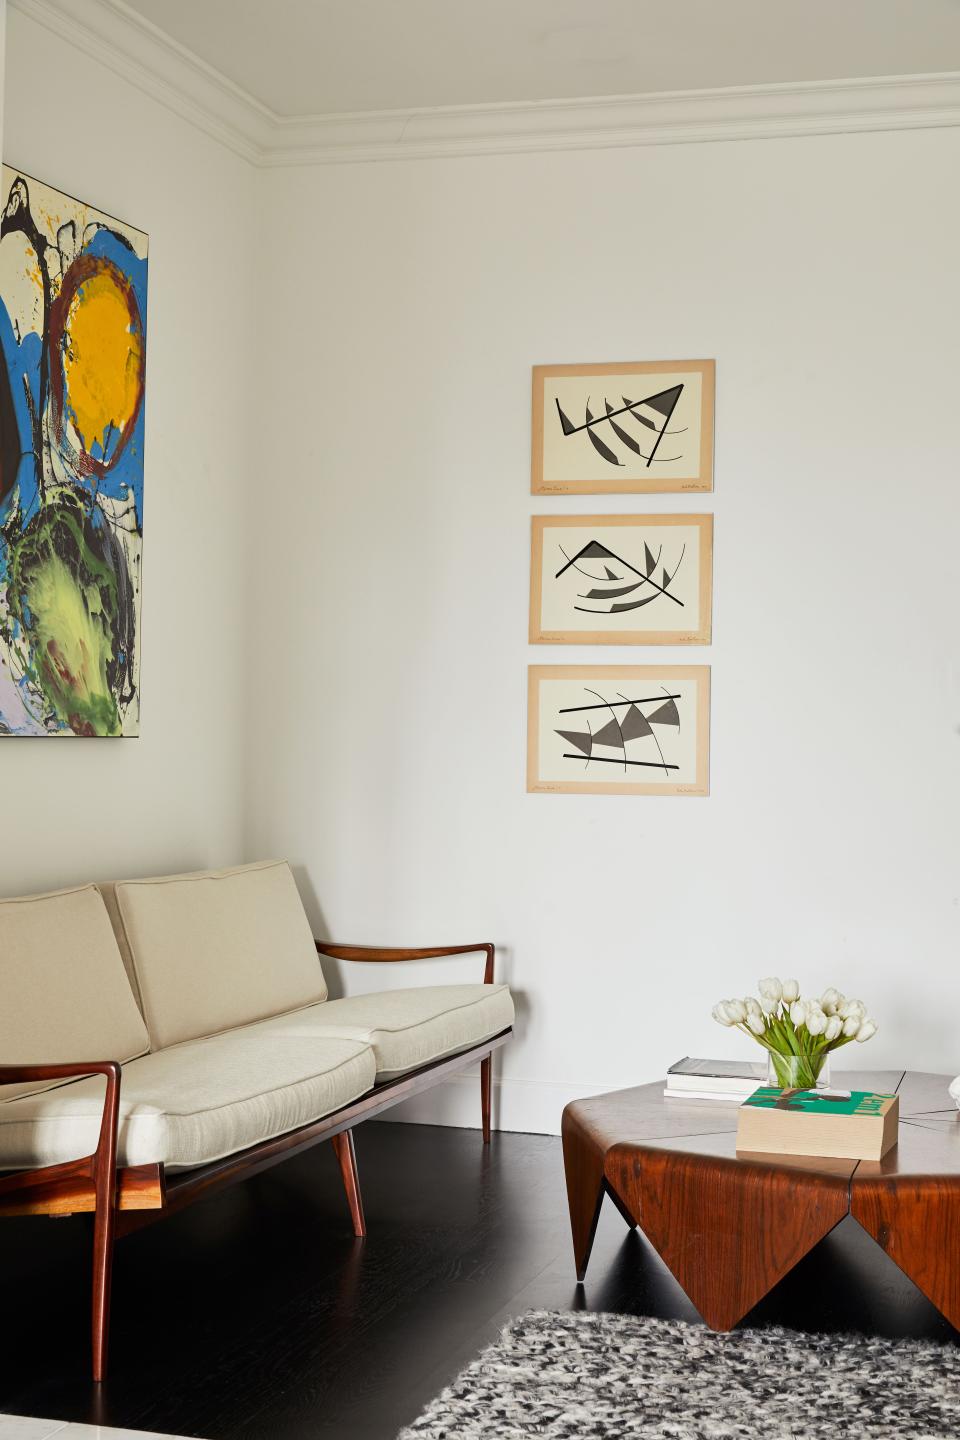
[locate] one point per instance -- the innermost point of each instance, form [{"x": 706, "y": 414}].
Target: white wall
[
  {"x": 172, "y": 798},
  {"x": 407, "y": 305},
  {"x": 336, "y": 553}
]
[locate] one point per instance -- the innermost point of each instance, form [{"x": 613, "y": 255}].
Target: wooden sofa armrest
[
  {"x": 24, "y": 1074},
  {"x": 382, "y": 953},
  {"x": 105, "y": 1155},
  {"x": 100, "y": 1167}
]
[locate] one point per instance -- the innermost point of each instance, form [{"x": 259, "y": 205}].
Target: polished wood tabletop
[{"x": 730, "y": 1225}]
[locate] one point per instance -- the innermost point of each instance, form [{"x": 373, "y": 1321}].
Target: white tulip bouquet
[{"x": 798, "y": 1034}]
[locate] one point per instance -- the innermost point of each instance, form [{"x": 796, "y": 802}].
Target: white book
[
  {"x": 716, "y": 1077},
  {"x": 723, "y": 1097},
  {"x": 684, "y": 1085}
]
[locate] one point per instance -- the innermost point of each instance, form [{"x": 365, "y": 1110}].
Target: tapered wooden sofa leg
[
  {"x": 104, "y": 1173},
  {"x": 485, "y": 1083},
  {"x": 347, "y": 1156},
  {"x": 104, "y": 1235}
]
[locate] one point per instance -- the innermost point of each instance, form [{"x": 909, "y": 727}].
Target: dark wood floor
[{"x": 256, "y": 1316}]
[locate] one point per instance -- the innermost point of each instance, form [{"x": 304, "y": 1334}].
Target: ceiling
[{"x": 314, "y": 57}]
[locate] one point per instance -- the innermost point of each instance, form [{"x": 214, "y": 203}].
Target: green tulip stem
[{"x": 796, "y": 1055}]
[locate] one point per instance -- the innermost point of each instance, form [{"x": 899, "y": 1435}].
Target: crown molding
[
  {"x": 757, "y": 112},
  {"x": 109, "y": 32},
  {"x": 117, "y": 37}
]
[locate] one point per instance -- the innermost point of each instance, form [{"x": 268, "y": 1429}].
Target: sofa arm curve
[
  {"x": 105, "y": 1155},
  {"x": 382, "y": 953},
  {"x": 17, "y": 1074},
  {"x": 100, "y": 1168}
]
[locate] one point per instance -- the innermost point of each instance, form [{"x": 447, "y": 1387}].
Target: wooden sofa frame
[{"x": 124, "y": 1198}]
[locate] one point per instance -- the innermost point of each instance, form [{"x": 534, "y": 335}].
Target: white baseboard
[{"x": 532, "y": 1106}]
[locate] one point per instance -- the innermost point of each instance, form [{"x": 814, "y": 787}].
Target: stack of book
[{"x": 728, "y": 1080}]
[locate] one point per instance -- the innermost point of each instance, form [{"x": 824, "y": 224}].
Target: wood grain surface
[
  {"x": 730, "y": 1225},
  {"x": 727, "y": 1229}
]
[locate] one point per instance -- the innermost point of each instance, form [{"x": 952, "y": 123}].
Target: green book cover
[{"x": 806, "y": 1102}]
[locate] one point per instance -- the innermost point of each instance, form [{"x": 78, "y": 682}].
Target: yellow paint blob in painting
[{"x": 101, "y": 362}]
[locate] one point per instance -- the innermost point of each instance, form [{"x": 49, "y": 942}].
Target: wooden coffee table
[{"x": 730, "y": 1226}]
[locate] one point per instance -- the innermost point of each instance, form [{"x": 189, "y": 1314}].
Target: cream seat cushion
[
  {"x": 406, "y": 1028},
  {"x": 192, "y": 1103},
  {"x": 64, "y": 994},
  {"x": 217, "y": 949}
]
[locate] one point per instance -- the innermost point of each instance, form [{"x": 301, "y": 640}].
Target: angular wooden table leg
[
  {"x": 909, "y": 1202},
  {"x": 728, "y": 1229},
  {"x": 583, "y": 1161},
  {"x": 591, "y": 1127}
]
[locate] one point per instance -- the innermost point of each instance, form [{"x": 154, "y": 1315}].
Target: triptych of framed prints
[{"x": 643, "y": 579}]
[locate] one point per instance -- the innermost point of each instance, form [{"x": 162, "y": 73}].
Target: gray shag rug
[{"x": 573, "y": 1375}]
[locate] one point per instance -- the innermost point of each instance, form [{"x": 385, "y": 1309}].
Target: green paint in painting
[
  {"x": 65, "y": 595},
  {"x": 72, "y": 649}
]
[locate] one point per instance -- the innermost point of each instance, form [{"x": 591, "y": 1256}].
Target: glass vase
[{"x": 798, "y": 1072}]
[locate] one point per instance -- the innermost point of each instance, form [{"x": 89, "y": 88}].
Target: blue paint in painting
[
  {"x": 23, "y": 364},
  {"x": 22, "y": 359}
]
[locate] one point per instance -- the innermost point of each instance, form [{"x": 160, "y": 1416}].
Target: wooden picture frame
[
  {"x": 621, "y": 721},
  {"x": 621, "y": 579},
  {"x": 597, "y": 429}
]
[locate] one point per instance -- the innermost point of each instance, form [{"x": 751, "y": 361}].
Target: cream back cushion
[
  {"x": 64, "y": 994},
  {"x": 218, "y": 949},
  {"x": 108, "y": 890}
]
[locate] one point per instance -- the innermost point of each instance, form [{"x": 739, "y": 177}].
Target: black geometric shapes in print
[{"x": 663, "y": 404}]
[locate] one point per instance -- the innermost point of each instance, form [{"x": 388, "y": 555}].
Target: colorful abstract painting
[{"x": 73, "y": 310}]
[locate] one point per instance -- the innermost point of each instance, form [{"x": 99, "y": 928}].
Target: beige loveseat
[{"x": 165, "y": 1036}]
